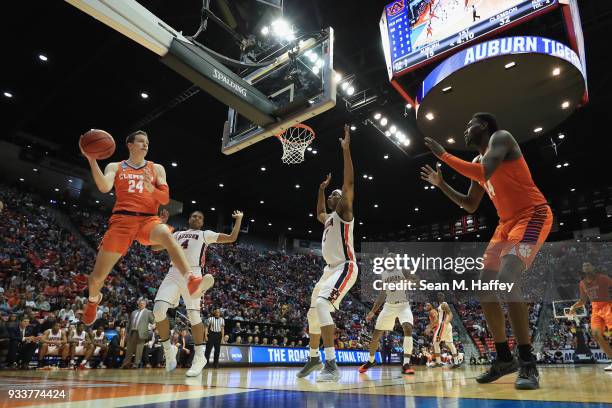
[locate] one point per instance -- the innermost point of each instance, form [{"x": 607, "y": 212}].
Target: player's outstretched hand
[
  {"x": 237, "y": 215},
  {"x": 325, "y": 182},
  {"x": 435, "y": 147},
  {"x": 432, "y": 176},
  {"x": 346, "y": 141},
  {"x": 164, "y": 215},
  {"x": 148, "y": 181}
]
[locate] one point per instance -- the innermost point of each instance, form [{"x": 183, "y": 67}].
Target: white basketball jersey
[
  {"x": 195, "y": 243},
  {"x": 79, "y": 337},
  {"x": 337, "y": 243},
  {"x": 100, "y": 337},
  {"x": 394, "y": 276},
  {"x": 441, "y": 314},
  {"x": 55, "y": 336}
]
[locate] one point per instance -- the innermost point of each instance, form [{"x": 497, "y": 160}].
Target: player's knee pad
[
  {"x": 160, "y": 310},
  {"x": 436, "y": 348},
  {"x": 324, "y": 308},
  {"x": 194, "y": 317},
  {"x": 313, "y": 321}
]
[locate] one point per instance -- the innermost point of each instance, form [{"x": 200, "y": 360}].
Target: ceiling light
[
  {"x": 350, "y": 90},
  {"x": 360, "y": 222},
  {"x": 565, "y": 164},
  {"x": 310, "y": 215},
  {"x": 392, "y": 129},
  {"x": 439, "y": 238},
  {"x": 510, "y": 65},
  {"x": 269, "y": 224},
  {"x": 42, "y": 57},
  {"x": 262, "y": 169},
  {"x": 252, "y": 219},
  {"x": 309, "y": 149},
  {"x": 297, "y": 186},
  {"x": 386, "y": 156},
  {"x": 289, "y": 228},
  {"x": 265, "y": 30},
  {"x": 8, "y": 94},
  {"x": 537, "y": 130},
  {"x": 353, "y": 127},
  {"x": 144, "y": 95},
  {"x": 447, "y": 89},
  {"x": 174, "y": 164},
  {"x": 338, "y": 77},
  {"x": 387, "y": 133},
  {"x": 310, "y": 231},
  {"x": 314, "y": 152},
  {"x": 375, "y": 205},
  {"x": 70, "y": 180},
  {"x": 584, "y": 220},
  {"x": 409, "y": 225},
  {"x": 344, "y": 86},
  {"x": 315, "y": 70},
  {"x": 450, "y": 140},
  {"x": 56, "y": 189},
  {"x": 572, "y": 190},
  {"x": 193, "y": 201},
  {"x": 221, "y": 185},
  {"x": 556, "y": 71},
  {"x": 313, "y": 57},
  {"x": 363, "y": 237},
  {"x": 35, "y": 170},
  {"x": 20, "y": 179},
  {"x": 408, "y": 106},
  {"x": 97, "y": 201},
  {"x": 430, "y": 116},
  {"x": 212, "y": 208},
  {"x": 112, "y": 193},
  {"x": 384, "y": 121},
  {"x": 261, "y": 201},
  {"x": 406, "y": 142},
  {"x": 370, "y": 177},
  {"x": 319, "y": 63},
  {"x": 426, "y": 187},
  {"x": 561, "y": 136},
  {"x": 377, "y": 116},
  {"x": 561, "y": 223},
  {"x": 416, "y": 208},
  {"x": 565, "y": 105},
  {"x": 558, "y": 166},
  {"x": 365, "y": 176}
]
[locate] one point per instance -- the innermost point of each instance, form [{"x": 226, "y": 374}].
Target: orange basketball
[{"x": 98, "y": 144}]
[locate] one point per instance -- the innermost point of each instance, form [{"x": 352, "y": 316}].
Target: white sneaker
[
  {"x": 101, "y": 365},
  {"x": 199, "y": 361},
  {"x": 608, "y": 368},
  {"x": 171, "y": 358}
]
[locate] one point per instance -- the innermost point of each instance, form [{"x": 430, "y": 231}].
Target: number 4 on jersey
[{"x": 185, "y": 244}]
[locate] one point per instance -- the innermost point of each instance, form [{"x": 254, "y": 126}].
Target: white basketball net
[{"x": 295, "y": 140}]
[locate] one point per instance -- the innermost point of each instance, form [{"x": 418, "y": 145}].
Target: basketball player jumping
[
  {"x": 396, "y": 306},
  {"x": 597, "y": 287},
  {"x": 340, "y": 272},
  {"x": 525, "y": 220},
  {"x": 140, "y": 187},
  {"x": 194, "y": 242},
  {"x": 443, "y": 332}
]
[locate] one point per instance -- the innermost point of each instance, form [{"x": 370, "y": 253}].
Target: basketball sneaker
[
  {"x": 608, "y": 368},
  {"x": 90, "y": 311},
  {"x": 528, "y": 377},
  {"x": 313, "y": 363},
  {"x": 330, "y": 373},
  {"x": 199, "y": 361},
  {"x": 366, "y": 366},
  {"x": 171, "y": 358},
  {"x": 497, "y": 370},
  {"x": 406, "y": 369},
  {"x": 193, "y": 283}
]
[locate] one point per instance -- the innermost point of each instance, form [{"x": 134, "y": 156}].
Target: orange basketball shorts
[
  {"x": 601, "y": 316},
  {"x": 124, "y": 229},
  {"x": 522, "y": 236}
]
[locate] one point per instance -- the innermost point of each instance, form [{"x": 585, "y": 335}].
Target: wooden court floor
[{"x": 274, "y": 387}]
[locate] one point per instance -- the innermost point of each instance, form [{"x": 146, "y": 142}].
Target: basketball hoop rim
[{"x": 280, "y": 135}]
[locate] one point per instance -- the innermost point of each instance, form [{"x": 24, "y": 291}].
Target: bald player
[
  {"x": 597, "y": 288},
  {"x": 525, "y": 220}
]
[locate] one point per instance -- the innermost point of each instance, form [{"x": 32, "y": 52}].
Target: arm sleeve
[
  {"x": 162, "y": 194},
  {"x": 473, "y": 171},
  {"x": 210, "y": 237}
]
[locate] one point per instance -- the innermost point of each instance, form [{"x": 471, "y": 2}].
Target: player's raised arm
[
  {"x": 469, "y": 202},
  {"x": 345, "y": 205},
  {"x": 228, "y": 239},
  {"x": 321, "y": 210}
]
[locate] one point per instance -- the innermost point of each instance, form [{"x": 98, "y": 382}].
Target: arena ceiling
[{"x": 93, "y": 77}]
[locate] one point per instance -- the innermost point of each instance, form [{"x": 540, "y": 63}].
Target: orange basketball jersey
[
  {"x": 598, "y": 290},
  {"x": 512, "y": 189},
  {"x": 131, "y": 192}
]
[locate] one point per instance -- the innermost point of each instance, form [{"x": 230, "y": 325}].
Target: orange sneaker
[
  {"x": 365, "y": 367},
  {"x": 193, "y": 283},
  {"x": 406, "y": 369},
  {"x": 90, "y": 311}
]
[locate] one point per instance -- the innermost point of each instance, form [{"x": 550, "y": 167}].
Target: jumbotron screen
[{"x": 414, "y": 31}]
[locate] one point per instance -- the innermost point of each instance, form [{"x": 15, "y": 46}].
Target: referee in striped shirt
[{"x": 214, "y": 332}]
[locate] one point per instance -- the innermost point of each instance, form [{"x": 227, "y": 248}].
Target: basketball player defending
[
  {"x": 525, "y": 220},
  {"x": 443, "y": 332},
  {"x": 194, "y": 242},
  {"x": 140, "y": 187},
  {"x": 396, "y": 306},
  {"x": 597, "y": 287},
  {"x": 340, "y": 272}
]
